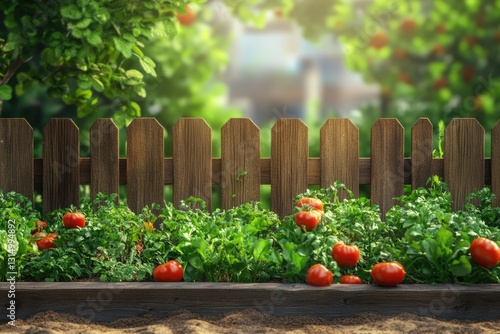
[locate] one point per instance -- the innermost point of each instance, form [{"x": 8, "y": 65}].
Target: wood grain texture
[
  {"x": 495, "y": 163},
  {"x": 387, "y": 163},
  {"x": 144, "y": 163},
  {"x": 289, "y": 163},
  {"x": 104, "y": 158},
  {"x": 463, "y": 159},
  {"x": 421, "y": 153},
  {"x": 339, "y": 153},
  {"x": 192, "y": 159},
  {"x": 240, "y": 163},
  {"x": 16, "y": 156},
  {"x": 99, "y": 302},
  {"x": 61, "y": 164}
]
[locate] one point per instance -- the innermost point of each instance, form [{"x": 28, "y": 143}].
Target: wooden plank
[
  {"x": 289, "y": 160},
  {"x": 387, "y": 163},
  {"x": 104, "y": 158},
  {"x": 145, "y": 142},
  {"x": 421, "y": 153},
  {"x": 16, "y": 156},
  {"x": 99, "y": 302},
  {"x": 192, "y": 159},
  {"x": 463, "y": 159},
  {"x": 240, "y": 165},
  {"x": 314, "y": 177},
  {"x": 339, "y": 152},
  {"x": 61, "y": 164},
  {"x": 495, "y": 163}
]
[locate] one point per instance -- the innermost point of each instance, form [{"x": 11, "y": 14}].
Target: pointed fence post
[
  {"x": 145, "y": 170},
  {"x": 289, "y": 159},
  {"x": 240, "y": 162},
  {"x": 339, "y": 155},
  {"x": 192, "y": 160},
  {"x": 463, "y": 159},
  {"x": 104, "y": 158},
  {"x": 421, "y": 153},
  {"x": 61, "y": 164},
  {"x": 16, "y": 156},
  {"x": 387, "y": 163}
]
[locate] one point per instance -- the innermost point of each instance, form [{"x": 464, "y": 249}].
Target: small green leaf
[
  {"x": 102, "y": 15},
  {"x": 71, "y": 12},
  {"x": 123, "y": 46},
  {"x": 299, "y": 261},
  {"x": 5, "y": 92},
  {"x": 83, "y": 23},
  {"x": 148, "y": 65},
  {"x": 461, "y": 266},
  {"x": 134, "y": 75},
  {"x": 94, "y": 39},
  {"x": 135, "y": 109},
  {"x": 260, "y": 246},
  {"x": 97, "y": 84}
]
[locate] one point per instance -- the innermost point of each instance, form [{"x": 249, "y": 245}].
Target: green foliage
[
  {"x": 83, "y": 50},
  {"x": 433, "y": 241},
  {"x": 251, "y": 244}
]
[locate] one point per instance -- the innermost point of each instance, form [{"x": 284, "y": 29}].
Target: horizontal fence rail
[{"x": 240, "y": 170}]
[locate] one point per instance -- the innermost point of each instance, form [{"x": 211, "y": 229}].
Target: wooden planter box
[
  {"x": 193, "y": 171},
  {"x": 99, "y": 302}
]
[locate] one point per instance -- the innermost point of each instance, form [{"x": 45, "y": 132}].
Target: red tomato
[
  {"x": 168, "y": 272},
  {"x": 485, "y": 252},
  {"x": 39, "y": 226},
  {"x": 149, "y": 226},
  {"x": 308, "y": 219},
  {"x": 350, "y": 279},
  {"x": 388, "y": 273},
  {"x": 345, "y": 255},
  {"x": 74, "y": 220},
  {"x": 319, "y": 275},
  {"x": 46, "y": 242},
  {"x": 310, "y": 202},
  {"x": 186, "y": 18}
]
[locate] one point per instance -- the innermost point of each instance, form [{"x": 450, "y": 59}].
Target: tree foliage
[
  {"x": 433, "y": 56},
  {"x": 83, "y": 50}
]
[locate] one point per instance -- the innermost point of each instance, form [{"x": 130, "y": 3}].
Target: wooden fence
[{"x": 193, "y": 171}]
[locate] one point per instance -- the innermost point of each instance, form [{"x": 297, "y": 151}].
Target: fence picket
[
  {"x": 192, "y": 159},
  {"x": 387, "y": 163},
  {"x": 289, "y": 159},
  {"x": 16, "y": 156},
  {"x": 104, "y": 158},
  {"x": 339, "y": 154},
  {"x": 495, "y": 163},
  {"x": 463, "y": 159},
  {"x": 145, "y": 163},
  {"x": 421, "y": 153},
  {"x": 240, "y": 159},
  {"x": 61, "y": 164}
]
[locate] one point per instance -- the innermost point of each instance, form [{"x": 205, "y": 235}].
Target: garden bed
[{"x": 103, "y": 302}]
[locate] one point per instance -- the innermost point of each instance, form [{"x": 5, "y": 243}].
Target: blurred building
[{"x": 274, "y": 72}]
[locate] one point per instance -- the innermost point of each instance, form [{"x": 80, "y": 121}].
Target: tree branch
[
  {"x": 12, "y": 69},
  {"x": 10, "y": 72}
]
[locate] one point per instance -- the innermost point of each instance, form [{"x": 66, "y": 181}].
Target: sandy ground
[{"x": 250, "y": 321}]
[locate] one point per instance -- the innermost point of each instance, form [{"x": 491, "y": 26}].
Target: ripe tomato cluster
[{"x": 310, "y": 214}]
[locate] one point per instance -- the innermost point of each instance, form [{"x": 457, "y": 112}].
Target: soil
[{"x": 250, "y": 321}]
